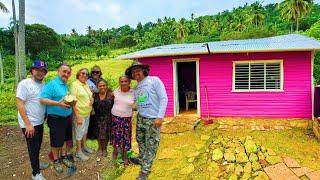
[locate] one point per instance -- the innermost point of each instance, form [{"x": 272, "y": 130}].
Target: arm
[
  {"x": 73, "y": 91},
  {"x": 22, "y": 111},
  {"x": 54, "y": 103},
  {"x": 162, "y": 97}
]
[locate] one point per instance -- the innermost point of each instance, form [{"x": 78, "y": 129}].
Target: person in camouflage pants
[{"x": 151, "y": 99}]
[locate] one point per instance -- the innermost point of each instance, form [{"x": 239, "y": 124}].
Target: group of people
[{"x": 95, "y": 107}]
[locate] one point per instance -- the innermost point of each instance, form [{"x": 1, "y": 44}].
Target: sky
[{"x": 64, "y": 15}]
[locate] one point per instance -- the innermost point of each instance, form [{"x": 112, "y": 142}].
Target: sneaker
[
  {"x": 67, "y": 162},
  {"x": 134, "y": 161},
  {"x": 87, "y": 150},
  {"x": 81, "y": 156},
  {"x": 142, "y": 176},
  {"x": 43, "y": 165},
  {"x": 38, "y": 177},
  {"x": 58, "y": 166},
  {"x": 70, "y": 158}
]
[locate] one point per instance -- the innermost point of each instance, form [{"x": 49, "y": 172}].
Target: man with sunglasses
[
  {"x": 59, "y": 116},
  {"x": 31, "y": 114}
]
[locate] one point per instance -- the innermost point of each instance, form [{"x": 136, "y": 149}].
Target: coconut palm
[
  {"x": 15, "y": 35},
  {"x": 293, "y": 10},
  {"x": 180, "y": 30},
  {"x": 21, "y": 39},
  {"x": 3, "y": 8},
  {"x": 257, "y": 13}
]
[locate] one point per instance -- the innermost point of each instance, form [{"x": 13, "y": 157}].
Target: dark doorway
[{"x": 187, "y": 86}]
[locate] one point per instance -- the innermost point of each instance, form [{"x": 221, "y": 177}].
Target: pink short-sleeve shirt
[{"x": 123, "y": 103}]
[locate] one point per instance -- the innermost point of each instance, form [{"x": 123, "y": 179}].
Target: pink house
[{"x": 268, "y": 77}]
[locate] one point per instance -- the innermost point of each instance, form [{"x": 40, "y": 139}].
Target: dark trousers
[{"x": 34, "y": 145}]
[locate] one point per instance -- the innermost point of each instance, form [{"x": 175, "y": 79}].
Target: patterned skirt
[
  {"x": 121, "y": 132},
  {"x": 102, "y": 128}
]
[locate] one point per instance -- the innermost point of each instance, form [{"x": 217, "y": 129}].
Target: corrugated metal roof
[
  {"x": 290, "y": 42},
  {"x": 168, "y": 50}
]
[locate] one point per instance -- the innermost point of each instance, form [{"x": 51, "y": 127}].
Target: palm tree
[
  {"x": 293, "y": 10},
  {"x": 15, "y": 35},
  {"x": 257, "y": 13},
  {"x": 89, "y": 30},
  {"x": 180, "y": 30},
  {"x": 3, "y": 8},
  {"x": 21, "y": 39}
]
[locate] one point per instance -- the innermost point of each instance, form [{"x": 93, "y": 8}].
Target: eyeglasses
[{"x": 96, "y": 72}]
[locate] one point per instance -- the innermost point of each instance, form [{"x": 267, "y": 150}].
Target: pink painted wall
[
  {"x": 216, "y": 74},
  {"x": 162, "y": 67}
]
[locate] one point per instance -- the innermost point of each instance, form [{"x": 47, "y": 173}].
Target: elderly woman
[
  {"x": 121, "y": 119},
  {"x": 82, "y": 109},
  {"x": 103, "y": 102}
]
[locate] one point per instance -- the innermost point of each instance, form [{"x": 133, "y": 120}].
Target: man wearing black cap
[
  {"x": 31, "y": 114},
  {"x": 151, "y": 99}
]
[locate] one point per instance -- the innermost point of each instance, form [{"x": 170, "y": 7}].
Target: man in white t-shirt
[{"x": 31, "y": 114}]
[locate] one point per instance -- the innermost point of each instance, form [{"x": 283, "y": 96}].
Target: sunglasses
[{"x": 95, "y": 72}]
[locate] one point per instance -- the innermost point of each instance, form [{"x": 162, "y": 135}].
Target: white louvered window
[{"x": 257, "y": 76}]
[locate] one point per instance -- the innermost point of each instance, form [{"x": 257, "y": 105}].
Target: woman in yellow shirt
[{"x": 82, "y": 109}]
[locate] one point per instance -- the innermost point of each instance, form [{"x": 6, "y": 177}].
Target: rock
[
  {"x": 230, "y": 168},
  {"x": 247, "y": 168},
  {"x": 271, "y": 152},
  {"x": 246, "y": 176},
  {"x": 187, "y": 170},
  {"x": 263, "y": 149},
  {"x": 260, "y": 156},
  {"x": 253, "y": 157},
  {"x": 250, "y": 147},
  {"x": 263, "y": 163},
  {"x": 233, "y": 177},
  {"x": 193, "y": 154},
  {"x": 238, "y": 170},
  {"x": 273, "y": 160},
  {"x": 256, "y": 166},
  {"x": 239, "y": 149},
  {"x": 230, "y": 150},
  {"x": 229, "y": 156},
  {"x": 217, "y": 155},
  {"x": 261, "y": 176},
  {"x": 190, "y": 160},
  {"x": 241, "y": 157},
  {"x": 204, "y": 137},
  {"x": 169, "y": 154},
  {"x": 213, "y": 167}
]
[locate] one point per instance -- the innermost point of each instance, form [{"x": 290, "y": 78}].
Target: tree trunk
[
  {"x": 21, "y": 41},
  {"x": 1, "y": 71},
  {"x": 15, "y": 35},
  {"x": 297, "y": 27},
  {"x": 291, "y": 27}
]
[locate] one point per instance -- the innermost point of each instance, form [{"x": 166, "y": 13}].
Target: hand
[
  {"x": 62, "y": 104},
  {"x": 79, "y": 121},
  {"x": 29, "y": 131},
  {"x": 158, "y": 122}
]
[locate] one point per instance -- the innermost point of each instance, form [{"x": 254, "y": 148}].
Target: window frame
[{"x": 254, "y": 62}]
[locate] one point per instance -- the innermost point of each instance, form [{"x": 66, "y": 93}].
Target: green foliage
[
  {"x": 8, "y": 113},
  {"x": 314, "y": 31},
  {"x": 40, "y": 38}
]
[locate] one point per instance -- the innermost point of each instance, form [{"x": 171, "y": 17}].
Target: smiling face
[
  {"x": 137, "y": 73},
  {"x": 102, "y": 86},
  {"x": 64, "y": 72},
  {"x": 38, "y": 74},
  {"x": 83, "y": 75},
  {"x": 124, "y": 83}
]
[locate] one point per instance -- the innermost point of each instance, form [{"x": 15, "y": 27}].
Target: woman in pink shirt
[{"x": 121, "y": 119}]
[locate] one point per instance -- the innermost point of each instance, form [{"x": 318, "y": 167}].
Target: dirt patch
[{"x": 15, "y": 162}]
